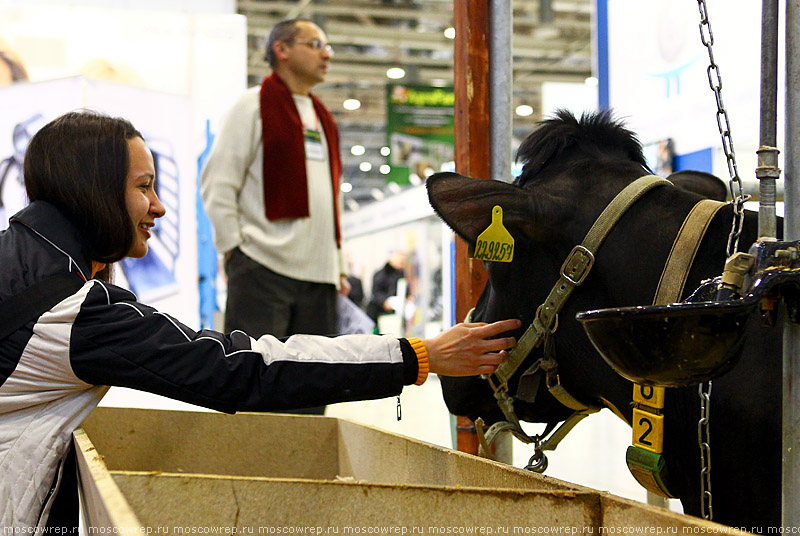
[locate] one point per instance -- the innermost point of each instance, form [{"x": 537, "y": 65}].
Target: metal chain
[
  {"x": 704, "y": 441},
  {"x": 738, "y": 200},
  {"x": 723, "y": 124}
]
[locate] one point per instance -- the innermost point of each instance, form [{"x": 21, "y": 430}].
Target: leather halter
[
  {"x": 645, "y": 461},
  {"x": 573, "y": 272}
]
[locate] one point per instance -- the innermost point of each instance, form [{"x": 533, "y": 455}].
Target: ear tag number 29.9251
[{"x": 495, "y": 243}]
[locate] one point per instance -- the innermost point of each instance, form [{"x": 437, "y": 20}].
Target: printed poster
[{"x": 420, "y": 127}]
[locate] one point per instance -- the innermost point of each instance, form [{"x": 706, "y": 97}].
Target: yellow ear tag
[{"x": 495, "y": 243}]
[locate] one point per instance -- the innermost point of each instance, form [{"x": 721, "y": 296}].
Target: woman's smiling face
[{"x": 140, "y": 196}]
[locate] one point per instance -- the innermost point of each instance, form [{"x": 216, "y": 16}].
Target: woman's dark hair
[{"x": 79, "y": 163}]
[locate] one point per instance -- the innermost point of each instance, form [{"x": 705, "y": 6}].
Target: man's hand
[{"x": 469, "y": 350}]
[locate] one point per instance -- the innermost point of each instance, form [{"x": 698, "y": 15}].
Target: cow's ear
[
  {"x": 466, "y": 204},
  {"x": 708, "y": 185}
]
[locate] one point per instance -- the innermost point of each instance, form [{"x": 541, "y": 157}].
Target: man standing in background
[
  {"x": 384, "y": 286},
  {"x": 270, "y": 187}
]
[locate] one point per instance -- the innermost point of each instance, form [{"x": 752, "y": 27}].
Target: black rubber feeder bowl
[{"x": 670, "y": 345}]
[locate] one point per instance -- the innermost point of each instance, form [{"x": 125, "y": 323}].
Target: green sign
[{"x": 420, "y": 130}]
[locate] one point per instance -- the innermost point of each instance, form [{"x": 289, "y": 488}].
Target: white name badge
[{"x": 313, "y": 141}]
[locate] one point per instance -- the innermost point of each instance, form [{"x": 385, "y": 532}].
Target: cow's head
[
  {"x": 515, "y": 289},
  {"x": 571, "y": 171}
]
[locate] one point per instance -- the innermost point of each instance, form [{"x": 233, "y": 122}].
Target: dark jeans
[
  {"x": 262, "y": 302},
  {"x": 63, "y": 517}
]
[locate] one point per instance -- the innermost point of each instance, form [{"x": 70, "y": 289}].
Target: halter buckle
[
  {"x": 577, "y": 265},
  {"x": 495, "y": 384}
]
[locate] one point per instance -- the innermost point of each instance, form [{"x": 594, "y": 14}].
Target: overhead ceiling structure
[{"x": 551, "y": 43}]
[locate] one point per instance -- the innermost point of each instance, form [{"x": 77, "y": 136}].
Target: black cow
[{"x": 572, "y": 170}]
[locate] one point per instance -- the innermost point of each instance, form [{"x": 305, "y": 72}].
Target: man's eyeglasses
[{"x": 317, "y": 44}]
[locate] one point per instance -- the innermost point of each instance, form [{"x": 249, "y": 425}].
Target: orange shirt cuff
[{"x": 422, "y": 360}]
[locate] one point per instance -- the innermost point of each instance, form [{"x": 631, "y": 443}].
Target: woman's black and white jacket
[{"x": 55, "y": 370}]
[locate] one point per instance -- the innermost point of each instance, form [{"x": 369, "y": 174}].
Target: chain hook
[{"x": 538, "y": 462}]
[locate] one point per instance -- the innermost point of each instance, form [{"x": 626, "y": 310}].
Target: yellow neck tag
[{"x": 495, "y": 243}]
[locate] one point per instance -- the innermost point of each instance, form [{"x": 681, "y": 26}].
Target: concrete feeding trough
[{"x": 178, "y": 472}]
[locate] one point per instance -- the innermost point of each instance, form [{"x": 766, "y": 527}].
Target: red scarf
[{"x": 285, "y": 181}]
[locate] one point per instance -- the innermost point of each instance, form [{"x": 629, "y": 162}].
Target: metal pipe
[
  {"x": 791, "y": 230},
  {"x": 767, "y": 171},
  {"x": 501, "y": 81},
  {"x": 769, "y": 72}
]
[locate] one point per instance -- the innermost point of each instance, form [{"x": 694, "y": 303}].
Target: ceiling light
[
  {"x": 357, "y": 150},
  {"x": 523, "y": 110},
  {"x": 351, "y": 104},
  {"x": 592, "y": 81},
  {"x": 377, "y": 194},
  {"x": 450, "y": 33},
  {"x": 385, "y": 169},
  {"x": 365, "y": 166},
  {"x": 395, "y": 73},
  {"x": 352, "y": 204},
  {"x": 393, "y": 187},
  {"x": 385, "y": 151},
  {"x": 414, "y": 179},
  {"x": 346, "y": 187}
]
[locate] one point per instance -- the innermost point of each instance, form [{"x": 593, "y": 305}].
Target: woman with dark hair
[
  {"x": 65, "y": 335},
  {"x": 89, "y": 192}
]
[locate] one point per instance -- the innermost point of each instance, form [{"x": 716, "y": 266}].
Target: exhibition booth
[{"x": 173, "y": 72}]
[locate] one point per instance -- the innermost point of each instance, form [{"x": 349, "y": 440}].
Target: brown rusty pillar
[{"x": 471, "y": 76}]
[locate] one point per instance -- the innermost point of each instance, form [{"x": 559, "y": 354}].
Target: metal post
[
  {"x": 501, "y": 81},
  {"x": 791, "y": 337},
  {"x": 767, "y": 171},
  {"x": 500, "y": 84}
]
